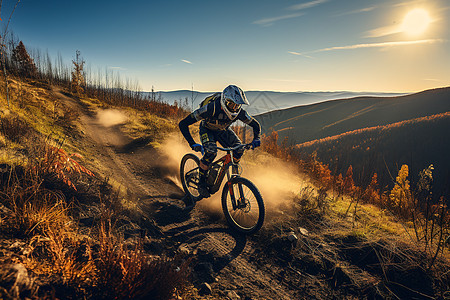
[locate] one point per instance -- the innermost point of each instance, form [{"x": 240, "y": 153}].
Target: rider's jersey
[{"x": 213, "y": 117}]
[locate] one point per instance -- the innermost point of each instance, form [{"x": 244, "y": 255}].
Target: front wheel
[
  {"x": 243, "y": 205},
  {"x": 190, "y": 176}
]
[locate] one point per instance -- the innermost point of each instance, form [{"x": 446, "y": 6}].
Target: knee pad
[
  {"x": 238, "y": 154},
  {"x": 210, "y": 153}
]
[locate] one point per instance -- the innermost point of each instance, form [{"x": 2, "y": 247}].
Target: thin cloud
[
  {"x": 357, "y": 11},
  {"x": 374, "y": 45},
  {"x": 409, "y": 3},
  {"x": 270, "y": 21},
  {"x": 187, "y": 61},
  {"x": 299, "y": 54},
  {"x": 433, "y": 79},
  {"x": 383, "y": 31},
  {"x": 307, "y": 5},
  {"x": 301, "y": 6}
]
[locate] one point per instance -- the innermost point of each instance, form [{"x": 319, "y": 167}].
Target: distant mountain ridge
[
  {"x": 316, "y": 121},
  {"x": 264, "y": 101}
]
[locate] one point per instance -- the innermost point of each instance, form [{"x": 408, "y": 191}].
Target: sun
[{"x": 415, "y": 22}]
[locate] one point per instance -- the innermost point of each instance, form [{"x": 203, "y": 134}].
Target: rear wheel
[
  {"x": 189, "y": 175},
  {"x": 243, "y": 205}
]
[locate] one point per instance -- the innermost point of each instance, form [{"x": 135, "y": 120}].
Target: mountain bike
[{"x": 242, "y": 203}]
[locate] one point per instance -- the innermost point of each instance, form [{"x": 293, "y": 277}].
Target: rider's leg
[
  {"x": 227, "y": 138},
  {"x": 209, "y": 145},
  {"x": 203, "y": 170}
]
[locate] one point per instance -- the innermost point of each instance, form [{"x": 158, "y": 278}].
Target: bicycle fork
[{"x": 239, "y": 201}]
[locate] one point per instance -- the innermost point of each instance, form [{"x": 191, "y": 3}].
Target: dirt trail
[{"x": 229, "y": 258}]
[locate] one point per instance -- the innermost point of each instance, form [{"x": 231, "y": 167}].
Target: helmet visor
[{"x": 233, "y": 107}]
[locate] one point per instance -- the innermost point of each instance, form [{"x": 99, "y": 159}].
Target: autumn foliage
[
  {"x": 383, "y": 149},
  {"x": 58, "y": 162},
  {"x": 400, "y": 196},
  {"x": 400, "y": 199}
]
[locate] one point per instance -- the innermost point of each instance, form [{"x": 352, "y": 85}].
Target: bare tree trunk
[{"x": 3, "y": 58}]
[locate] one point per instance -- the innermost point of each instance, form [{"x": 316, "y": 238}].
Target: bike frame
[
  {"x": 242, "y": 202},
  {"x": 227, "y": 162}
]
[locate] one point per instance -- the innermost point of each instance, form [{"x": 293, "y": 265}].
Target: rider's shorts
[{"x": 226, "y": 138}]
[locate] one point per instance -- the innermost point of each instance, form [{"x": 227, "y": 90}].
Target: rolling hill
[
  {"x": 264, "y": 101},
  {"x": 418, "y": 143},
  {"x": 305, "y": 123}
]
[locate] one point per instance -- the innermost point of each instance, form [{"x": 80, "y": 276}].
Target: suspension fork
[
  {"x": 240, "y": 201},
  {"x": 231, "y": 190}
]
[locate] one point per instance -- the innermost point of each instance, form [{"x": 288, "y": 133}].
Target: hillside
[
  {"x": 121, "y": 230},
  {"x": 305, "y": 123},
  {"x": 418, "y": 143}
]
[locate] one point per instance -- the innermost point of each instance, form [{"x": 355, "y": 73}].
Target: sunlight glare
[{"x": 416, "y": 22}]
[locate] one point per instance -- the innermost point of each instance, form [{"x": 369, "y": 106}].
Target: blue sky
[{"x": 311, "y": 45}]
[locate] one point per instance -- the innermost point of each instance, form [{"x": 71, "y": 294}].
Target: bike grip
[{"x": 198, "y": 148}]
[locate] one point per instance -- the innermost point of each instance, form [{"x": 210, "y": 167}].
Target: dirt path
[{"x": 228, "y": 261}]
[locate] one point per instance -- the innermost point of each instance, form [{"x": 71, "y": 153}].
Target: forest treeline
[
  {"x": 383, "y": 149},
  {"x": 105, "y": 85}
]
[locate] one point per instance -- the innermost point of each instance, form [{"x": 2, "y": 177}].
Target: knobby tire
[
  {"x": 254, "y": 198},
  {"x": 189, "y": 177}
]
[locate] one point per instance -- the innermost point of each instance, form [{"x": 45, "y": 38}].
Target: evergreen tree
[
  {"x": 77, "y": 83},
  {"x": 26, "y": 66},
  {"x": 348, "y": 183}
]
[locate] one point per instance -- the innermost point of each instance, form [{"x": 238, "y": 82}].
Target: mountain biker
[{"x": 221, "y": 110}]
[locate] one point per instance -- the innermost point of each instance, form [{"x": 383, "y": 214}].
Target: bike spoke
[
  {"x": 190, "y": 172},
  {"x": 246, "y": 214}
]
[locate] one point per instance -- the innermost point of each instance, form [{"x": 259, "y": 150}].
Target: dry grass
[
  {"x": 143, "y": 125},
  {"x": 132, "y": 274},
  {"x": 79, "y": 265},
  {"x": 38, "y": 176},
  {"x": 358, "y": 253},
  {"x": 14, "y": 128}
]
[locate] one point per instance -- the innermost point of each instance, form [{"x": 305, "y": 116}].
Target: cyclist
[{"x": 216, "y": 113}]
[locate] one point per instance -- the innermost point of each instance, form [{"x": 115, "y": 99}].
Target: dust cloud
[
  {"x": 111, "y": 117},
  {"x": 278, "y": 181},
  {"x": 173, "y": 149}
]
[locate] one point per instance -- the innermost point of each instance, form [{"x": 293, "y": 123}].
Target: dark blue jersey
[{"x": 214, "y": 117}]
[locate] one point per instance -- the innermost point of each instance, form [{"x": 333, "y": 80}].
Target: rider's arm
[
  {"x": 256, "y": 128},
  {"x": 197, "y": 115},
  {"x": 250, "y": 121},
  {"x": 184, "y": 128}
]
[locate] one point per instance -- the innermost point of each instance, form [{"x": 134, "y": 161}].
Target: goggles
[{"x": 233, "y": 107}]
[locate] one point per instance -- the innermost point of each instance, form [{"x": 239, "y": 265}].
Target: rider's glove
[
  {"x": 256, "y": 143},
  {"x": 197, "y": 148}
]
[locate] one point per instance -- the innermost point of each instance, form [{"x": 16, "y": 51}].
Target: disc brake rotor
[{"x": 245, "y": 206}]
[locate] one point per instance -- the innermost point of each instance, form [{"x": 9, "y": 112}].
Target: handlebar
[{"x": 245, "y": 146}]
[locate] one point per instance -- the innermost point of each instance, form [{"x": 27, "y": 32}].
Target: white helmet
[{"x": 232, "y": 100}]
